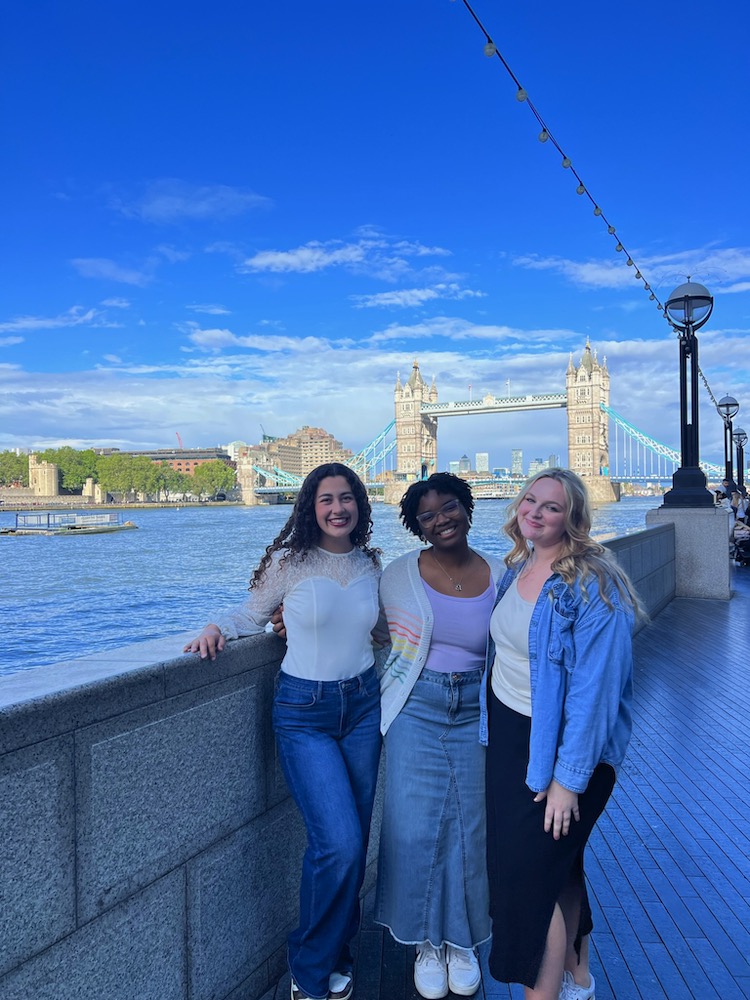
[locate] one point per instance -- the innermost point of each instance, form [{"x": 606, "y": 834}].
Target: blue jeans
[{"x": 328, "y": 738}]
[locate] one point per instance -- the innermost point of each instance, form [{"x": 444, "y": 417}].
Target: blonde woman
[{"x": 557, "y": 723}]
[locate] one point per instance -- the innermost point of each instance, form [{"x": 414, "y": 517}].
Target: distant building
[
  {"x": 537, "y": 465},
  {"x": 453, "y": 468},
  {"x": 464, "y": 465},
  {"x": 44, "y": 478},
  {"x": 501, "y": 472},
  {"x": 553, "y": 462},
  {"x": 516, "y": 462},
  {"x": 183, "y": 459},
  {"x": 482, "y": 461},
  {"x": 305, "y": 449}
]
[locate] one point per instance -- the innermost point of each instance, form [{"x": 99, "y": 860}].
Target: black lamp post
[
  {"x": 728, "y": 408},
  {"x": 740, "y": 439},
  {"x": 687, "y": 309}
]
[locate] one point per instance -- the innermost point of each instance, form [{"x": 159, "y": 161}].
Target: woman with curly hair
[
  {"x": 432, "y": 877},
  {"x": 326, "y": 709},
  {"x": 559, "y": 689}
]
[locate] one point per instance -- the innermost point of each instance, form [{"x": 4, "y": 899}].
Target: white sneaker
[
  {"x": 340, "y": 985},
  {"x": 430, "y": 973},
  {"x": 464, "y": 976},
  {"x": 570, "y": 990}
]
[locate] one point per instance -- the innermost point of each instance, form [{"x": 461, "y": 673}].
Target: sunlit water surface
[{"x": 63, "y": 597}]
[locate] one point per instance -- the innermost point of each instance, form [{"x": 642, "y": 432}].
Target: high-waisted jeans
[{"x": 328, "y": 739}]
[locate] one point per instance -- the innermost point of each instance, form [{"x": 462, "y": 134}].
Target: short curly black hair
[{"x": 440, "y": 482}]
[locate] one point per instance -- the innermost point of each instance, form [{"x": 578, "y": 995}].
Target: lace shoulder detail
[{"x": 342, "y": 568}]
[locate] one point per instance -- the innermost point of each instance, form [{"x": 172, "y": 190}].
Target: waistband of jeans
[
  {"x": 347, "y": 684},
  {"x": 449, "y": 677}
]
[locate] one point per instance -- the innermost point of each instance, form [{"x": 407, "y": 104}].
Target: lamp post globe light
[
  {"x": 688, "y": 309},
  {"x": 740, "y": 439},
  {"x": 728, "y": 408}
]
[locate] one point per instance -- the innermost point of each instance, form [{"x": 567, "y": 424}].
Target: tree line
[{"x": 119, "y": 473}]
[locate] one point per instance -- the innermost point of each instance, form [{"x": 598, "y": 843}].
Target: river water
[{"x": 63, "y": 597}]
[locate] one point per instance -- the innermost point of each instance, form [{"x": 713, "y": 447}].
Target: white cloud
[
  {"x": 304, "y": 260},
  {"x": 171, "y": 200},
  {"x": 709, "y": 265},
  {"x": 349, "y": 390},
  {"x": 455, "y": 329},
  {"x": 9, "y": 341},
  {"x": 374, "y": 255},
  {"x": 172, "y": 254},
  {"x": 113, "y": 358},
  {"x": 75, "y": 316},
  {"x": 414, "y": 297},
  {"x": 116, "y": 303},
  {"x": 212, "y": 310},
  {"x": 108, "y": 270},
  {"x": 215, "y": 340}
]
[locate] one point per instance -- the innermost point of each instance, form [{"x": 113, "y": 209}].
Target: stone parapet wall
[
  {"x": 648, "y": 557},
  {"x": 148, "y": 844},
  {"x": 149, "y": 849}
]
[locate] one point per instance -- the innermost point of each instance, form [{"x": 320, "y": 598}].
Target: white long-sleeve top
[{"x": 330, "y": 609}]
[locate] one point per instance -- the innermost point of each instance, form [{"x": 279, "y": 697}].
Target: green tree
[
  {"x": 13, "y": 468},
  {"x": 115, "y": 472},
  {"x": 169, "y": 480},
  {"x": 213, "y": 477},
  {"x": 75, "y": 466}
]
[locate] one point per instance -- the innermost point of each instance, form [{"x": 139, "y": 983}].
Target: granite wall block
[
  {"x": 158, "y": 785},
  {"x": 243, "y": 897},
  {"x": 37, "y": 850},
  {"x": 136, "y": 951}
]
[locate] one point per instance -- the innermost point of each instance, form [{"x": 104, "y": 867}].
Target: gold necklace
[{"x": 456, "y": 583}]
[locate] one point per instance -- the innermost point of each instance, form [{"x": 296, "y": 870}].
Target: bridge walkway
[{"x": 669, "y": 864}]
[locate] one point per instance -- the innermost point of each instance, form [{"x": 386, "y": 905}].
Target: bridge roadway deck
[{"x": 669, "y": 864}]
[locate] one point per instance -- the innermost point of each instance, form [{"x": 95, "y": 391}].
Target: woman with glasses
[{"x": 432, "y": 882}]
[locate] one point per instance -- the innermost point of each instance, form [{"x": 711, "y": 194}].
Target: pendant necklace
[{"x": 456, "y": 583}]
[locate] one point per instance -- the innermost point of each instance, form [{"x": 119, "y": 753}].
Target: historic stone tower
[
  {"x": 416, "y": 435},
  {"x": 587, "y": 387},
  {"x": 44, "y": 478}
]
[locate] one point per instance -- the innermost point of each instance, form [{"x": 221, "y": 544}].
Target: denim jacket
[{"x": 581, "y": 663}]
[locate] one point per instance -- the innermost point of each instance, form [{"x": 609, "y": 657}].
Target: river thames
[{"x": 63, "y": 597}]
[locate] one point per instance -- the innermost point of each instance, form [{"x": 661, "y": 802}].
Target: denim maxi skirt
[{"x": 432, "y": 875}]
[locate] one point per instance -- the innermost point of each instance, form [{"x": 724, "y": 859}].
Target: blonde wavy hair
[{"x": 580, "y": 556}]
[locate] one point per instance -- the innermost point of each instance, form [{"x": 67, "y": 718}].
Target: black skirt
[{"x": 529, "y": 871}]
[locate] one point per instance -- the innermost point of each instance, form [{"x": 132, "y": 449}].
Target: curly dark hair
[
  {"x": 440, "y": 482},
  {"x": 301, "y": 532}
]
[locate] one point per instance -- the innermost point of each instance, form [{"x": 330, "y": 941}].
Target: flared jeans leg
[{"x": 328, "y": 739}]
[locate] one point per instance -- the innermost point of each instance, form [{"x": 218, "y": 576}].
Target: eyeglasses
[{"x": 449, "y": 509}]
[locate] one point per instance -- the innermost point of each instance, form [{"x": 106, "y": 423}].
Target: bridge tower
[
  {"x": 416, "y": 433},
  {"x": 587, "y": 388}
]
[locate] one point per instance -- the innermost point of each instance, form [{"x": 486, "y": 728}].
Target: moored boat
[{"x": 44, "y": 522}]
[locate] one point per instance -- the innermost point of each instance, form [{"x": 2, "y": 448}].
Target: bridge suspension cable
[
  {"x": 366, "y": 461},
  {"x": 656, "y": 447}
]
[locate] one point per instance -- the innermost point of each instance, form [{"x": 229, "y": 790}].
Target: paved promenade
[{"x": 669, "y": 865}]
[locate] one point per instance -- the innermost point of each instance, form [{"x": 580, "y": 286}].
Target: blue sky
[{"x": 222, "y": 216}]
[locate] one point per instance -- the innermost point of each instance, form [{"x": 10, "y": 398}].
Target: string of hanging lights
[{"x": 545, "y": 136}]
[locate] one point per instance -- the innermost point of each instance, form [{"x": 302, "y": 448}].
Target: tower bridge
[
  {"x": 406, "y": 449},
  {"x": 586, "y": 396}
]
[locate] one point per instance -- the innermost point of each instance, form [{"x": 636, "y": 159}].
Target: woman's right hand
[{"x": 208, "y": 643}]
